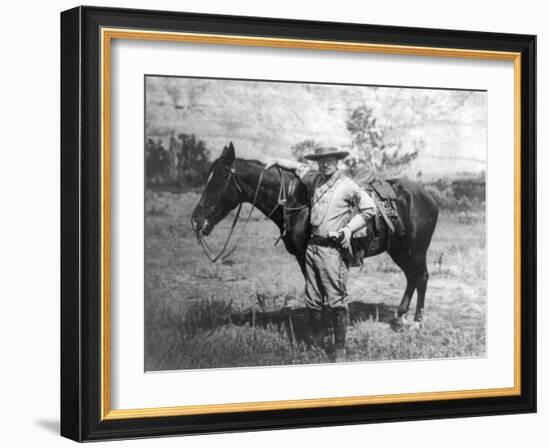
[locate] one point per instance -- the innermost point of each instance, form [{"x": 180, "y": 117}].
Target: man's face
[{"x": 328, "y": 165}]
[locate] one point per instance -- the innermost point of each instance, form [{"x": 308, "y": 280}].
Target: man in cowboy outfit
[{"x": 338, "y": 208}]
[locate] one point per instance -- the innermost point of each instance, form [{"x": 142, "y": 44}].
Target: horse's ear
[{"x": 228, "y": 154}]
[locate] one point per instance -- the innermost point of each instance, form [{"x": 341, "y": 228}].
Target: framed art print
[{"x": 271, "y": 224}]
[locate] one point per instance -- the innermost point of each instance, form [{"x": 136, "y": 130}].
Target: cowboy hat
[{"x": 326, "y": 151}]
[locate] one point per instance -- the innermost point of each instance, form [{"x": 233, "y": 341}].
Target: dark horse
[{"x": 233, "y": 181}]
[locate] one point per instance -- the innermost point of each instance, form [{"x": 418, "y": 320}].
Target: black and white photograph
[{"x": 293, "y": 223}]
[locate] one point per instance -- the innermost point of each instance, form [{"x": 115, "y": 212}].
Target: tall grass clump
[
  {"x": 239, "y": 346},
  {"x": 203, "y": 335},
  {"x": 373, "y": 342}
]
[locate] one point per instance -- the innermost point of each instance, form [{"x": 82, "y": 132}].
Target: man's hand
[
  {"x": 270, "y": 162},
  {"x": 291, "y": 165},
  {"x": 345, "y": 237}
]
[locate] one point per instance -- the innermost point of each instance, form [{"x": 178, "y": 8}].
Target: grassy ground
[{"x": 248, "y": 310}]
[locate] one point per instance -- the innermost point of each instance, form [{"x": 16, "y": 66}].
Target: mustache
[{"x": 328, "y": 168}]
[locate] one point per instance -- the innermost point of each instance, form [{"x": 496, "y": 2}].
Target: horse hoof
[
  {"x": 399, "y": 324},
  {"x": 418, "y": 323}
]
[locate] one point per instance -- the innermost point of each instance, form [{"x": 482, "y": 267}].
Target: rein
[
  {"x": 223, "y": 253},
  {"x": 281, "y": 202}
]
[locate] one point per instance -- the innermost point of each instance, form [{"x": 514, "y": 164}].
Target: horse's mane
[
  {"x": 250, "y": 162},
  {"x": 261, "y": 165}
]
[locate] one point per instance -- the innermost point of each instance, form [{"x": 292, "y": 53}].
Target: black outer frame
[{"x": 80, "y": 223}]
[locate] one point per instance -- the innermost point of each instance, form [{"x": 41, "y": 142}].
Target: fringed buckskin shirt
[{"x": 334, "y": 201}]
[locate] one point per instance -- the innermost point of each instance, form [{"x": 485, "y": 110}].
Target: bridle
[{"x": 281, "y": 202}]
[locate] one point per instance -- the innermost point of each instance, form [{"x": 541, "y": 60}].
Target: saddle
[{"x": 375, "y": 237}]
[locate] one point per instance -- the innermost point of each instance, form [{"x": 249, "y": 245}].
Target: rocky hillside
[{"x": 267, "y": 118}]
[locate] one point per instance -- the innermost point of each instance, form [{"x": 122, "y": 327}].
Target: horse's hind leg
[
  {"x": 403, "y": 309},
  {"x": 421, "y": 285},
  {"x": 407, "y": 266},
  {"x": 416, "y": 272}
]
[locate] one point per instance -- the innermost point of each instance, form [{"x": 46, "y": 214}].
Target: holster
[{"x": 323, "y": 241}]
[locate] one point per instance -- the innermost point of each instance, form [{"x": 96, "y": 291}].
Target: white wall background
[{"x": 29, "y": 228}]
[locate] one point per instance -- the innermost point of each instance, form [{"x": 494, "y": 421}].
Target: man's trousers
[{"x": 326, "y": 278}]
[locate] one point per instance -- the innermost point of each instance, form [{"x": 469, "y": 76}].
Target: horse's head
[{"x": 221, "y": 193}]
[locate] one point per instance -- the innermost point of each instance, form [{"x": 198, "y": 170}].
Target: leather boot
[
  {"x": 317, "y": 328},
  {"x": 340, "y": 323}
]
